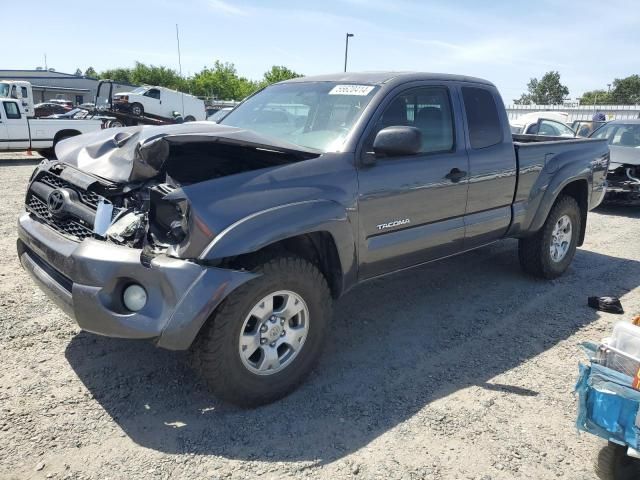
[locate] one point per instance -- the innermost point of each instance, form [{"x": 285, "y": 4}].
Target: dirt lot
[{"x": 460, "y": 369}]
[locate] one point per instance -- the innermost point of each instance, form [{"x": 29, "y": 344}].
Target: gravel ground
[{"x": 460, "y": 369}]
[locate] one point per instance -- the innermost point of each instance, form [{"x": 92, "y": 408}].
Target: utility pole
[
  {"x": 180, "y": 68},
  {"x": 45, "y": 62},
  {"x": 346, "y": 50}
]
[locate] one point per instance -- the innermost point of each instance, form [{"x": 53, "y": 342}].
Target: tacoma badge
[{"x": 394, "y": 223}]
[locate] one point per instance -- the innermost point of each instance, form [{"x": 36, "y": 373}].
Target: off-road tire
[
  {"x": 215, "y": 352},
  {"x": 534, "y": 252},
  {"x": 137, "y": 106},
  {"x": 613, "y": 463}
]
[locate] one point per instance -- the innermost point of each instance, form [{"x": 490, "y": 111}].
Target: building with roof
[{"x": 49, "y": 84}]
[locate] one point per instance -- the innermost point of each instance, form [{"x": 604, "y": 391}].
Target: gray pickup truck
[{"x": 234, "y": 239}]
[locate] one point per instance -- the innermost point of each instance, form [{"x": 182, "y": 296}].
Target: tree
[
  {"x": 78, "y": 72},
  {"x": 626, "y": 91},
  {"x": 117, "y": 74},
  {"x": 91, "y": 73},
  {"x": 595, "y": 97},
  {"x": 546, "y": 91},
  {"x": 222, "y": 82},
  {"x": 160, "y": 76},
  {"x": 278, "y": 73}
]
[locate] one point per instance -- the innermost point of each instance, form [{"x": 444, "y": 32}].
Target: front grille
[
  {"x": 88, "y": 198},
  {"x": 65, "y": 226}
]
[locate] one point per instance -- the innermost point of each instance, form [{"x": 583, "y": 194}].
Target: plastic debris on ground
[{"x": 606, "y": 304}]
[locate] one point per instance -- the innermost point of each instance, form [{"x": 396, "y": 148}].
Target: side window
[
  {"x": 11, "y": 109},
  {"x": 482, "y": 117},
  {"x": 25, "y": 93},
  {"x": 427, "y": 109},
  {"x": 14, "y": 92},
  {"x": 153, "y": 93},
  {"x": 559, "y": 129}
]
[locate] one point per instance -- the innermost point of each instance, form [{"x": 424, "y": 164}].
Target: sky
[{"x": 590, "y": 42}]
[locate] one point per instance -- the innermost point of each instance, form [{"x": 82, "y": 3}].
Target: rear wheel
[
  {"x": 190, "y": 118},
  {"x": 548, "y": 253},
  {"x": 267, "y": 335}
]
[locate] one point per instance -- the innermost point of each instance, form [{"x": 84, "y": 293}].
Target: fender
[
  {"x": 554, "y": 177},
  {"x": 265, "y": 227}
]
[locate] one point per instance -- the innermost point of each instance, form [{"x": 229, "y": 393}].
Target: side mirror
[{"x": 397, "y": 141}]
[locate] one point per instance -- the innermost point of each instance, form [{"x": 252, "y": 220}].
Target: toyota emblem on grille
[{"x": 55, "y": 201}]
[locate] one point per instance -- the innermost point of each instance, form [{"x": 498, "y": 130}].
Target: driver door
[
  {"x": 411, "y": 208},
  {"x": 4, "y": 134},
  {"x": 16, "y": 125},
  {"x": 153, "y": 102}
]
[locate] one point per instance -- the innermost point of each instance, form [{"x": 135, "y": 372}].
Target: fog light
[{"x": 134, "y": 297}]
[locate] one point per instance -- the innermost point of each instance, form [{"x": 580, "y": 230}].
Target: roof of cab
[{"x": 379, "y": 78}]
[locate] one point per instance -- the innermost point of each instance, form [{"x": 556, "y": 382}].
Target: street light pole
[{"x": 346, "y": 50}]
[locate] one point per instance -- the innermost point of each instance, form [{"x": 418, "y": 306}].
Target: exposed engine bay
[
  {"x": 623, "y": 183},
  {"x": 124, "y": 188}
]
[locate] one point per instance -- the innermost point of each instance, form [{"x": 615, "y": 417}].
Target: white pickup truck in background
[
  {"x": 21, "y": 91},
  {"x": 18, "y": 132}
]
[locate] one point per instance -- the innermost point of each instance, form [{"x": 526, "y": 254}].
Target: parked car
[
  {"x": 551, "y": 124},
  {"x": 18, "y": 132},
  {"x": 160, "y": 102},
  {"x": 47, "y": 108},
  {"x": 234, "y": 239},
  {"x": 62, "y": 101},
  {"x": 623, "y": 178},
  {"x": 73, "y": 113},
  {"x": 219, "y": 115}
]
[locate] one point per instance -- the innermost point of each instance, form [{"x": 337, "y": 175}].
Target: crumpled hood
[
  {"x": 133, "y": 154},
  {"x": 623, "y": 155}
]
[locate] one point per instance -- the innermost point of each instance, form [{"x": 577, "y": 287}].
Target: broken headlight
[
  {"x": 127, "y": 228},
  {"x": 168, "y": 218}
]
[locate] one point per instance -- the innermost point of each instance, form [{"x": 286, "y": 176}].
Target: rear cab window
[
  {"x": 483, "y": 121},
  {"x": 11, "y": 110}
]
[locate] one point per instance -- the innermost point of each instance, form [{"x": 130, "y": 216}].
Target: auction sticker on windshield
[{"x": 360, "y": 90}]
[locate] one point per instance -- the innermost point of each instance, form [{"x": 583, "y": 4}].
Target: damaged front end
[
  {"x": 80, "y": 206},
  {"x": 623, "y": 177},
  {"x": 124, "y": 186},
  {"x": 108, "y": 229}
]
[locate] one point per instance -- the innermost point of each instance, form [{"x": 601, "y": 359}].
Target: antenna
[{"x": 180, "y": 66}]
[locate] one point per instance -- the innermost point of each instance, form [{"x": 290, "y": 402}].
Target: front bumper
[{"x": 86, "y": 281}]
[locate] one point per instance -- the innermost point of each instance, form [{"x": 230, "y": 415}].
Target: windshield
[
  {"x": 620, "y": 134},
  {"x": 140, "y": 90},
  {"x": 4, "y": 89},
  {"x": 316, "y": 115}
]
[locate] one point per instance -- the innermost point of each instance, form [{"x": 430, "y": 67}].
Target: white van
[{"x": 160, "y": 102}]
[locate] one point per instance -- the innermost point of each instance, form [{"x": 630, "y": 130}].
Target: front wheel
[
  {"x": 267, "y": 335},
  {"x": 137, "y": 109},
  {"x": 548, "y": 253}
]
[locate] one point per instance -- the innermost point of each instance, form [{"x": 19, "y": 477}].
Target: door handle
[{"x": 455, "y": 175}]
